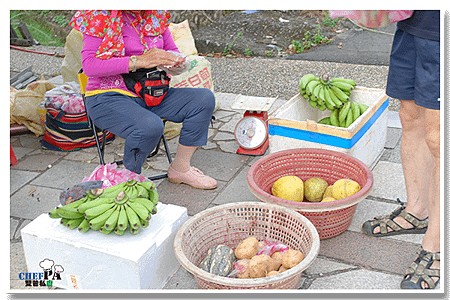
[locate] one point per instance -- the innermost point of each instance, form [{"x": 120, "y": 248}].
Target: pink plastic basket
[
  {"x": 329, "y": 218},
  {"x": 230, "y": 224}
]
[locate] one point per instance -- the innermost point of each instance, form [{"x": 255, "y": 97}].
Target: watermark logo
[{"x": 51, "y": 272}]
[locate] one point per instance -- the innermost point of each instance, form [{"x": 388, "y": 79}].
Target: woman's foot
[{"x": 193, "y": 177}]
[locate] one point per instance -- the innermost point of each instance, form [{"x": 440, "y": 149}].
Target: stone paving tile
[
  {"x": 38, "y": 162},
  {"x": 195, "y": 200},
  {"x": 389, "y": 182},
  {"x": 236, "y": 191},
  {"x": 219, "y": 165},
  {"x": 31, "y": 201},
  {"x": 393, "y": 137},
  {"x": 370, "y": 252},
  {"x": 19, "y": 178},
  {"x": 13, "y": 223},
  {"x": 182, "y": 279},
  {"x": 65, "y": 174},
  {"x": 358, "y": 280},
  {"x": 321, "y": 266},
  {"x": 20, "y": 152}
]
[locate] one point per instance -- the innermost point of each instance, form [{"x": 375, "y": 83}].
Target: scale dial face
[{"x": 250, "y": 132}]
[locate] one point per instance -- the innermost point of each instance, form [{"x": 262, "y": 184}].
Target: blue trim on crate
[{"x": 327, "y": 139}]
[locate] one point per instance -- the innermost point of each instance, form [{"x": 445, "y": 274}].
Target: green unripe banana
[
  {"x": 84, "y": 226},
  {"x": 119, "y": 231},
  {"x": 305, "y": 80},
  {"x": 122, "y": 222},
  {"x": 54, "y": 214},
  {"x": 345, "y": 80},
  {"x": 311, "y": 85},
  {"x": 342, "y": 86},
  {"x": 335, "y": 99},
  {"x": 93, "y": 212},
  {"x": 343, "y": 112},
  {"x": 134, "y": 230},
  {"x": 111, "y": 222},
  {"x": 68, "y": 212},
  {"x": 356, "y": 111},
  {"x": 312, "y": 103},
  {"x": 100, "y": 220},
  {"x": 140, "y": 210},
  {"x": 363, "y": 107},
  {"x": 104, "y": 230},
  {"x": 132, "y": 216},
  {"x": 349, "y": 119},
  {"x": 340, "y": 94},
  {"x": 334, "y": 117},
  {"x": 74, "y": 223},
  {"x": 325, "y": 121},
  {"x": 90, "y": 204}
]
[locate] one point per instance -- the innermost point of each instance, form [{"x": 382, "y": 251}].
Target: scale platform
[
  {"x": 251, "y": 132},
  {"x": 252, "y": 103}
]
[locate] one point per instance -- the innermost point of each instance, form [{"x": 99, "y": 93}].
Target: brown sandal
[{"x": 385, "y": 222}]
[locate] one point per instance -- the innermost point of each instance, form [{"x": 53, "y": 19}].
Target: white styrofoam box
[
  {"x": 294, "y": 125},
  {"x": 93, "y": 260}
]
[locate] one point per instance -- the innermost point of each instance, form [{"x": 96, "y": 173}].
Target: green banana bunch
[
  {"x": 332, "y": 94},
  {"x": 125, "y": 205},
  {"x": 344, "y": 116},
  {"x": 325, "y": 93}
]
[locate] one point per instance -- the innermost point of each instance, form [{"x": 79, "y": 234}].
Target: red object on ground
[{"x": 12, "y": 156}]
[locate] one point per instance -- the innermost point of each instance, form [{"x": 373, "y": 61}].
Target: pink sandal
[{"x": 194, "y": 177}]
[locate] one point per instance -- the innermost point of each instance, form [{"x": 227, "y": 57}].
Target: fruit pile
[
  {"x": 114, "y": 209},
  {"x": 314, "y": 189},
  {"x": 334, "y": 95}
]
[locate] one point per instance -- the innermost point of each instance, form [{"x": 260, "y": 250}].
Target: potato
[
  {"x": 272, "y": 273},
  {"x": 276, "y": 256},
  {"x": 243, "y": 266},
  {"x": 282, "y": 269},
  {"x": 260, "y": 265},
  {"x": 247, "y": 248},
  {"x": 291, "y": 258}
]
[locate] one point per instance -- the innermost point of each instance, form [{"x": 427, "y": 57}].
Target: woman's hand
[{"x": 154, "y": 57}]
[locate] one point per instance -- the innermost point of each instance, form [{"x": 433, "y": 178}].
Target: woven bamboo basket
[
  {"x": 329, "y": 218},
  {"x": 229, "y": 224}
]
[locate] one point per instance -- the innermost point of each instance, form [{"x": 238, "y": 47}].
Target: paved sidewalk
[{"x": 350, "y": 261}]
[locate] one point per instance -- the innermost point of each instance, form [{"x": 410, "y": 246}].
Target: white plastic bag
[{"x": 182, "y": 65}]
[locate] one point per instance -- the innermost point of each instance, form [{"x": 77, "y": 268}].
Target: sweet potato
[
  {"x": 291, "y": 258},
  {"x": 247, "y": 248}
]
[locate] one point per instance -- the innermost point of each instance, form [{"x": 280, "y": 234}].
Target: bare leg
[
  {"x": 182, "y": 161},
  {"x": 431, "y": 239},
  {"x": 416, "y": 162}
]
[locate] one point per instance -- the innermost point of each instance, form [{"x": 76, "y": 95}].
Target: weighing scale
[{"x": 251, "y": 132}]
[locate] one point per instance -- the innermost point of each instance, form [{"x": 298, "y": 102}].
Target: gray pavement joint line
[
  {"x": 359, "y": 266},
  {"x": 380, "y": 199},
  {"x": 310, "y": 278},
  {"x": 20, "y": 222}
]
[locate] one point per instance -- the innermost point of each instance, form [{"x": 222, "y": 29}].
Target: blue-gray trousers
[{"x": 141, "y": 126}]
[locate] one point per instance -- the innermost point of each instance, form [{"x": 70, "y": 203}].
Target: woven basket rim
[
  {"x": 254, "y": 282},
  {"x": 310, "y": 206}
]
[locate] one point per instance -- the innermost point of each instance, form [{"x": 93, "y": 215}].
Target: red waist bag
[{"x": 151, "y": 85}]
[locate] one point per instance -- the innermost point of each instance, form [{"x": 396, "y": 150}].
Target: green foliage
[{"x": 309, "y": 41}]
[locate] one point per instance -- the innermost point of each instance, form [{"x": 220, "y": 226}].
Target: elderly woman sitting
[{"x": 120, "y": 47}]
